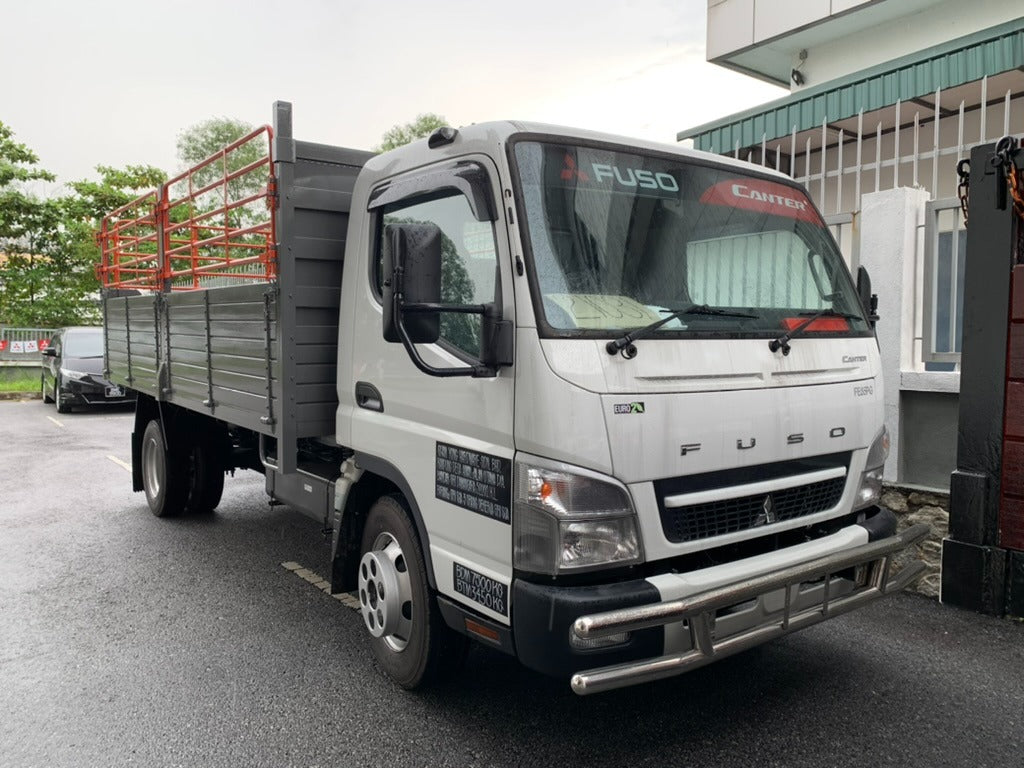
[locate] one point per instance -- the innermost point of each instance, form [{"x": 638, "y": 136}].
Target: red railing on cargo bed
[{"x": 212, "y": 224}]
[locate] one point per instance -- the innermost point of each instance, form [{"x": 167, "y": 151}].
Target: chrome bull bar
[{"x": 699, "y": 611}]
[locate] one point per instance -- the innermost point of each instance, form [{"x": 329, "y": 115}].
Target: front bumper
[
  {"x": 93, "y": 391},
  {"x": 722, "y": 610}
]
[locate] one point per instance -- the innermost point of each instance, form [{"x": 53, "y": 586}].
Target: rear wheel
[
  {"x": 42, "y": 387},
  {"x": 408, "y": 636},
  {"x": 161, "y": 474},
  {"x": 205, "y": 477}
]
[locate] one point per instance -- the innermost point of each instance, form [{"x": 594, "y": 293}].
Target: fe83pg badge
[{"x": 491, "y": 594}]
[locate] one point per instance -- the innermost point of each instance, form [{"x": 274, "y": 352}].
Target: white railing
[
  {"x": 910, "y": 144},
  {"x": 837, "y": 164}
]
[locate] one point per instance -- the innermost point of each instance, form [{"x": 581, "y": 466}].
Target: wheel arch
[
  {"x": 380, "y": 478},
  {"x": 175, "y": 421}
]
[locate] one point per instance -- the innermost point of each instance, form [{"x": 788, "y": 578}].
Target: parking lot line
[
  {"x": 348, "y": 599},
  {"x": 122, "y": 464},
  {"x": 58, "y": 423}
]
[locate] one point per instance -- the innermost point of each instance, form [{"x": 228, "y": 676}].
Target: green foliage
[
  {"x": 400, "y": 135},
  {"x": 47, "y": 274},
  {"x": 19, "y": 210},
  {"x": 20, "y": 382},
  {"x": 28, "y": 226},
  {"x": 200, "y": 141},
  {"x": 116, "y": 186},
  {"x": 205, "y": 139}
]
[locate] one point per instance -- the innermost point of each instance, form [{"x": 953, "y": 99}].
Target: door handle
[{"x": 368, "y": 397}]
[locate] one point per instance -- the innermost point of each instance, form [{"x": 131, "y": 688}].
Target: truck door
[{"x": 449, "y": 437}]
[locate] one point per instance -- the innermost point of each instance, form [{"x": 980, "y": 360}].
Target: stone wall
[{"x": 912, "y": 507}]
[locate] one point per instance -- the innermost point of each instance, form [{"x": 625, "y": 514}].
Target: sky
[{"x": 114, "y": 82}]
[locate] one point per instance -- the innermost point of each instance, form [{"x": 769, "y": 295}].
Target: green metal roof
[{"x": 965, "y": 60}]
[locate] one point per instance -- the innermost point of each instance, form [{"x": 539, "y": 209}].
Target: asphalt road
[{"x": 129, "y": 640}]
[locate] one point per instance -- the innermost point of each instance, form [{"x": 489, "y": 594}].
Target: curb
[{"x": 21, "y": 396}]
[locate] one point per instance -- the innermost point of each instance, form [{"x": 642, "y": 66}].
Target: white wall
[
  {"x": 839, "y": 41},
  {"x": 892, "y": 225},
  {"x": 944, "y": 22},
  {"x": 737, "y": 24}
]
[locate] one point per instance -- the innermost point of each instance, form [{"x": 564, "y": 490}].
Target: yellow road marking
[
  {"x": 348, "y": 599},
  {"x": 58, "y": 423},
  {"x": 122, "y": 464}
]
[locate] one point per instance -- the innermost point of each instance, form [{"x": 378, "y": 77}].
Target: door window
[{"x": 468, "y": 262}]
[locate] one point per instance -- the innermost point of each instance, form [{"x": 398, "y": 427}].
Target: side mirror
[
  {"x": 49, "y": 352},
  {"x": 412, "y": 275},
  {"x": 868, "y": 299}
]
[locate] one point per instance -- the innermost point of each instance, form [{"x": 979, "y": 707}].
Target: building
[{"x": 886, "y": 97}]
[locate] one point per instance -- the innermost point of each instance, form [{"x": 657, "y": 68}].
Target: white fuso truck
[{"x": 609, "y": 406}]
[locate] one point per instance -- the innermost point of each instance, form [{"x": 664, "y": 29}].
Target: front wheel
[
  {"x": 63, "y": 406},
  {"x": 42, "y": 387},
  {"x": 408, "y": 636}
]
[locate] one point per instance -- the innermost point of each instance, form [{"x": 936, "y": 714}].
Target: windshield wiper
[
  {"x": 782, "y": 342},
  {"x": 625, "y": 342}
]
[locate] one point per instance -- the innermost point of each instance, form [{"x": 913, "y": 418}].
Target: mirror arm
[
  {"x": 463, "y": 309},
  {"x": 476, "y": 371}
]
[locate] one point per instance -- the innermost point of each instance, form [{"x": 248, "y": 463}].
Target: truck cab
[{"x": 668, "y": 384}]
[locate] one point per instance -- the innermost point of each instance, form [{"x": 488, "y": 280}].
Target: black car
[{"x": 73, "y": 371}]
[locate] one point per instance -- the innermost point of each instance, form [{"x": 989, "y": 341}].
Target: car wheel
[
  {"x": 408, "y": 636},
  {"x": 63, "y": 406},
  {"x": 205, "y": 478},
  {"x": 161, "y": 474},
  {"x": 42, "y": 387}
]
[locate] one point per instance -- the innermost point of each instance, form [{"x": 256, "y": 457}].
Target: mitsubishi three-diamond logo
[{"x": 769, "y": 510}]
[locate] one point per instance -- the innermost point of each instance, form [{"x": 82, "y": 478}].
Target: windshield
[
  {"x": 619, "y": 240},
  {"x": 83, "y": 344}
]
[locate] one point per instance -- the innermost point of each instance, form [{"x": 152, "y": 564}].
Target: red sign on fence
[{"x": 3, "y": 345}]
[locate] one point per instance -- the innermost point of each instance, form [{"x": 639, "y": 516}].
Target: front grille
[{"x": 715, "y": 518}]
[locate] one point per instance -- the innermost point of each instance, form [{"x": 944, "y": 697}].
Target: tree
[
  {"x": 27, "y": 224},
  {"x": 18, "y": 165},
  {"x": 421, "y": 127},
  {"x": 199, "y": 141},
  {"x": 202, "y": 140},
  {"x": 47, "y": 278},
  {"x": 75, "y": 289}
]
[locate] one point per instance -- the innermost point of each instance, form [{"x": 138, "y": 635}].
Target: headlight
[
  {"x": 67, "y": 373},
  {"x": 870, "y": 489},
  {"x": 567, "y": 522}
]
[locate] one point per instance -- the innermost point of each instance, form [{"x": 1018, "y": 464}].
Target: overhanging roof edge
[{"x": 816, "y": 92}]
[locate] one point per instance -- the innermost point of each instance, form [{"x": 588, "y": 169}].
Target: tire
[
  {"x": 42, "y": 387},
  {"x": 408, "y": 636},
  {"x": 162, "y": 478},
  {"x": 205, "y": 478},
  {"x": 63, "y": 406}
]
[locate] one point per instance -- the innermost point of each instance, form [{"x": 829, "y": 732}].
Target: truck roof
[{"x": 503, "y": 130}]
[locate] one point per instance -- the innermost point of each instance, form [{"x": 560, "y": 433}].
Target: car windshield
[
  {"x": 619, "y": 240},
  {"x": 83, "y": 343}
]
